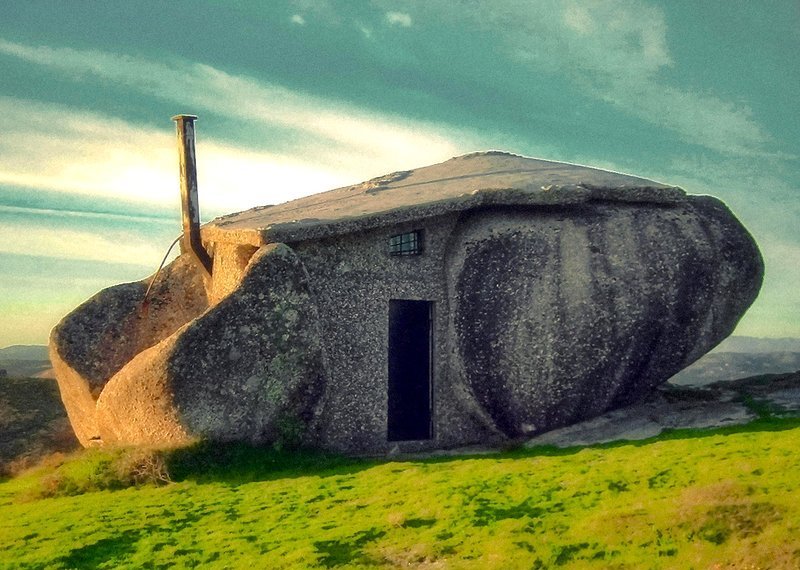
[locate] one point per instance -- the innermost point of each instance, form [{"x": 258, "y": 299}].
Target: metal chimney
[{"x": 190, "y": 207}]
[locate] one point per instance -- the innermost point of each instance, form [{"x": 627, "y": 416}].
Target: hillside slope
[
  {"x": 33, "y": 422},
  {"x": 24, "y": 352},
  {"x": 723, "y": 499},
  {"x": 723, "y": 366},
  {"x": 25, "y": 361}
]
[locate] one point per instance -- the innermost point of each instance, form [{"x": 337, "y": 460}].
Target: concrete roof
[{"x": 461, "y": 183}]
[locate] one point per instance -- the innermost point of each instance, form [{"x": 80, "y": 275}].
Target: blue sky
[{"x": 297, "y": 97}]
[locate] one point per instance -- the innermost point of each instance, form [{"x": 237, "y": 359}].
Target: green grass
[{"x": 691, "y": 499}]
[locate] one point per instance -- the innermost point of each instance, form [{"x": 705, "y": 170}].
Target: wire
[{"x": 158, "y": 272}]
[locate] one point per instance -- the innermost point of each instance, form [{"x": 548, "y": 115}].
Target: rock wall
[
  {"x": 563, "y": 314},
  {"x": 249, "y": 368},
  {"x": 353, "y": 279},
  {"x": 543, "y": 316},
  {"x": 103, "y": 334}
]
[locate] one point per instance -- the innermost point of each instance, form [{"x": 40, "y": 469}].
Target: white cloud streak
[
  {"x": 615, "y": 50},
  {"x": 25, "y": 238},
  {"x": 400, "y": 19},
  {"x": 58, "y": 148},
  {"x": 78, "y": 151}
]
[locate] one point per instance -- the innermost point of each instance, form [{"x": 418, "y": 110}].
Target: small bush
[
  {"x": 102, "y": 469},
  {"x": 142, "y": 467}
]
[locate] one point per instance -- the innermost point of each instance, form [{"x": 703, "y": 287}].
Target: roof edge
[{"x": 315, "y": 228}]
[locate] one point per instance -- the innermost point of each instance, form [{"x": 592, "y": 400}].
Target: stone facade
[{"x": 550, "y": 304}]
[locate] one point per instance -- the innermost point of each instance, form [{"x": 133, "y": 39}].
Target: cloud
[
  {"x": 318, "y": 10},
  {"x": 298, "y": 19},
  {"x": 368, "y": 33},
  {"x": 319, "y": 144},
  {"x": 54, "y": 147},
  {"x": 579, "y": 19},
  {"x": 616, "y": 51},
  {"x": 39, "y": 240},
  {"x": 398, "y": 19},
  {"x": 59, "y": 148}
]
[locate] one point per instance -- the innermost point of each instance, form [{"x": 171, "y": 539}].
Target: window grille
[{"x": 409, "y": 243}]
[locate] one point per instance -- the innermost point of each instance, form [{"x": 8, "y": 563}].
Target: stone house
[{"x": 484, "y": 299}]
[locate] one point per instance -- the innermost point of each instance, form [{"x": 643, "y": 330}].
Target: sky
[{"x": 299, "y": 96}]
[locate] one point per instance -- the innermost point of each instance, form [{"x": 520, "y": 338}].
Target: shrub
[
  {"x": 102, "y": 469},
  {"x": 140, "y": 466}
]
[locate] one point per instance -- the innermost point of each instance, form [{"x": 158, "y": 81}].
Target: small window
[{"x": 406, "y": 244}]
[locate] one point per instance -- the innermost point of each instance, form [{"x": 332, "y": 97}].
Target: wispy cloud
[
  {"x": 399, "y": 19},
  {"x": 59, "y": 148},
  {"x": 617, "y": 51},
  {"x": 39, "y": 240},
  {"x": 338, "y": 143},
  {"x": 368, "y": 33},
  {"x": 320, "y": 10},
  {"x": 54, "y": 147}
]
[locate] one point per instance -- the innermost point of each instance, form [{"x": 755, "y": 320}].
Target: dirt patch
[{"x": 33, "y": 423}]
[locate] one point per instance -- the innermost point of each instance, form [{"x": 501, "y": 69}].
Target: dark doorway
[{"x": 409, "y": 370}]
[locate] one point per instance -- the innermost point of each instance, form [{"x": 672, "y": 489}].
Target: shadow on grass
[
  {"x": 236, "y": 463},
  {"x": 102, "y": 551},
  {"x": 765, "y": 424}
]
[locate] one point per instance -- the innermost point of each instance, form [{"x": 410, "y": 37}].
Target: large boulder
[
  {"x": 98, "y": 338},
  {"x": 250, "y": 368},
  {"x": 564, "y": 316},
  {"x": 560, "y": 292}
]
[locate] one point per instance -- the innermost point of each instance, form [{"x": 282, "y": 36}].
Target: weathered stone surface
[
  {"x": 671, "y": 407},
  {"x": 555, "y": 292},
  {"x": 247, "y": 369},
  {"x": 230, "y": 264},
  {"x": 467, "y": 182},
  {"x": 646, "y": 420},
  {"x": 352, "y": 280},
  {"x": 560, "y": 318},
  {"x": 98, "y": 338}
]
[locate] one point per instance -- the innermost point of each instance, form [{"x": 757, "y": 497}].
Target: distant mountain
[
  {"x": 25, "y": 361},
  {"x": 24, "y": 352},
  {"x": 742, "y": 356},
  {"x": 756, "y": 345},
  {"x": 25, "y": 369},
  {"x": 723, "y": 366}
]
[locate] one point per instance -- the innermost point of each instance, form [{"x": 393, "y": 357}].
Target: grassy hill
[{"x": 727, "y": 498}]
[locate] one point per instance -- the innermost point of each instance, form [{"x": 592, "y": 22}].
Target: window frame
[{"x": 406, "y": 244}]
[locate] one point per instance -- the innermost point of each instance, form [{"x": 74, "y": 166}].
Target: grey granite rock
[
  {"x": 248, "y": 369},
  {"x": 103, "y": 334},
  {"x": 590, "y": 309},
  {"x": 672, "y": 407},
  {"x": 554, "y": 293}
]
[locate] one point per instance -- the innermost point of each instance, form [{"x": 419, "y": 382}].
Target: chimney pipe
[{"x": 190, "y": 207}]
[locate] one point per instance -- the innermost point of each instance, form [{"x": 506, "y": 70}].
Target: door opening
[{"x": 409, "y": 414}]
